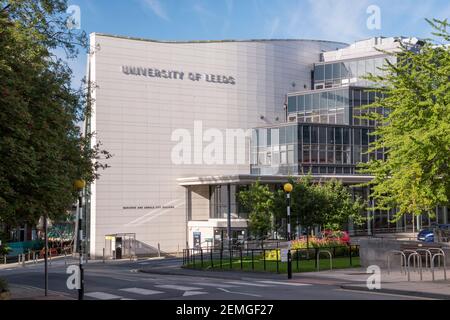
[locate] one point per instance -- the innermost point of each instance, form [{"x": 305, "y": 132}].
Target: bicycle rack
[
  {"x": 427, "y": 254},
  {"x": 402, "y": 260},
  {"x": 318, "y": 258},
  {"x": 440, "y": 254},
  {"x": 419, "y": 264}
]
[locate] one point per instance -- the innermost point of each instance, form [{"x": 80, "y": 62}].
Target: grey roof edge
[{"x": 211, "y": 41}]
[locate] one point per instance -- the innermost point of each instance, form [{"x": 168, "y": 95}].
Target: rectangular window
[
  {"x": 364, "y": 137},
  {"x": 319, "y": 73},
  {"x": 347, "y": 155},
  {"x": 283, "y": 135},
  {"x": 322, "y": 154},
  {"x": 306, "y": 154},
  {"x": 301, "y": 103},
  {"x": 330, "y": 136},
  {"x": 323, "y": 101},
  {"x": 361, "y": 69},
  {"x": 338, "y": 135},
  {"x": 328, "y": 71},
  {"x": 316, "y": 101},
  {"x": 338, "y": 155},
  {"x": 323, "y": 135},
  {"x": 314, "y": 154},
  {"x": 357, "y": 136},
  {"x": 308, "y": 104},
  {"x": 331, "y": 100},
  {"x": 306, "y": 134},
  {"x": 292, "y": 104},
  {"x": 336, "y": 70},
  {"x": 314, "y": 134},
  {"x": 345, "y": 70},
  {"x": 330, "y": 154},
  {"x": 346, "y": 136}
]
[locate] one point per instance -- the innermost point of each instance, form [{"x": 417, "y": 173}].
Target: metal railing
[{"x": 268, "y": 260}]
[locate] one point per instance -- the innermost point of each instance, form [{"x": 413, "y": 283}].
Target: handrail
[{"x": 402, "y": 260}]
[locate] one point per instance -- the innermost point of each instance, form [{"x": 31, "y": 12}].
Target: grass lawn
[{"x": 271, "y": 266}]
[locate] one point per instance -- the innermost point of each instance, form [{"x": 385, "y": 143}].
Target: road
[{"x": 121, "y": 281}]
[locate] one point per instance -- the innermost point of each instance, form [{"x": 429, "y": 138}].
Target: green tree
[
  {"x": 328, "y": 204},
  {"x": 258, "y": 200},
  {"x": 415, "y": 177},
  {"x": 41, "y": 145},
  {"x": 340, "y": 206}
]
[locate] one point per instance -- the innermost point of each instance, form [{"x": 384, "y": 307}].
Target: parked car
[{"x": 427, "y": 234}]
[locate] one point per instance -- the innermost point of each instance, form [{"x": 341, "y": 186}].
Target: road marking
[
  {"x": 142, "y": 291},
  {"x": 193, "y": 293},
  {"x": 216, "y": 285},
  {"x": 285, "y": 283},
  {"x": 127, "y": 299},
  {"x": 243, "y": 293},
  {"x": 181, "y": 288},
  {"x": 243, "y": 283},
  {"x": 102, "y": 296}
]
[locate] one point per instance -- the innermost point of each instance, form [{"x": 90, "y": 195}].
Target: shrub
[{"x": 315, "y": 242}]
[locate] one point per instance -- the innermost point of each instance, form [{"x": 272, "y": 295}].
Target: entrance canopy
[{"x": 249, "y": 179}]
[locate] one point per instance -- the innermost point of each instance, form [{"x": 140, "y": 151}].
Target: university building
[{"x": 191, "y": 123}]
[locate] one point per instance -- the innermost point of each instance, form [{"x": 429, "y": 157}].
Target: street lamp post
[
  {"x": 79, "y": 185},
  {"x": 45, "y": 255},
  {"x": 288, "y": 189}
]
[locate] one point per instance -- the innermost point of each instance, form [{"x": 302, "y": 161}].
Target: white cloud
[
  {"x": 157, "y": 8},
  {"x": 343, "y": 20}
]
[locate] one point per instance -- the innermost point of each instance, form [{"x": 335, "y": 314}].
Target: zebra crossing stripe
[
  {"x": 102, "y": 296},
  {"x": 285, "y": 283},
  {"x": 144, "y": 292},
  {"x": 243, "y": 283},
  {"x": 181, "y": 288}
]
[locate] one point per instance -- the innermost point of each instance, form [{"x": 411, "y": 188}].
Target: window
[
  {"x": 346, "y": 136},
  {"x": 292, "y": 104},
  {"x": 338, "y": 135},
  {"x": 338, "y": 154},
  {"x": 319, "y": 71},
  {"x": 290, "y": 134},
  {"x": 336, "y": 71},
  {"x": 314, "y": 134},
  {"x": 353, "y": 69},
  {"x": 322, "y": 154},
  {"x": 306, "y": 134},
  {"x": 301, "y": 103},
  {"x": 306, "y": 154},
  {"x": 283, "y": 135},
  {"x": 314, "y": 153},
  {"x": 361, "y": 68},
  {"x": 308, "y": 104},
  {"x": 290, "y": 154},
  {"x": 330, "y": 136},
  {"x": 323, "y": 101},
  {"x": 331, "y": 101},
  {"x": 357, "y": 137},
  {"x": 330, "y": 154},
  {"x": 328, "y": 71},
  {"x": 316, "y": 101},
  {"x": 322, "y": 135},
  {"x": 365, "y": 137},
  {"x": 345, "y": 70}
]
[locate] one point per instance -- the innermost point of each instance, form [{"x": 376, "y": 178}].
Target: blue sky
[{"x": 338, "y": 20}]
